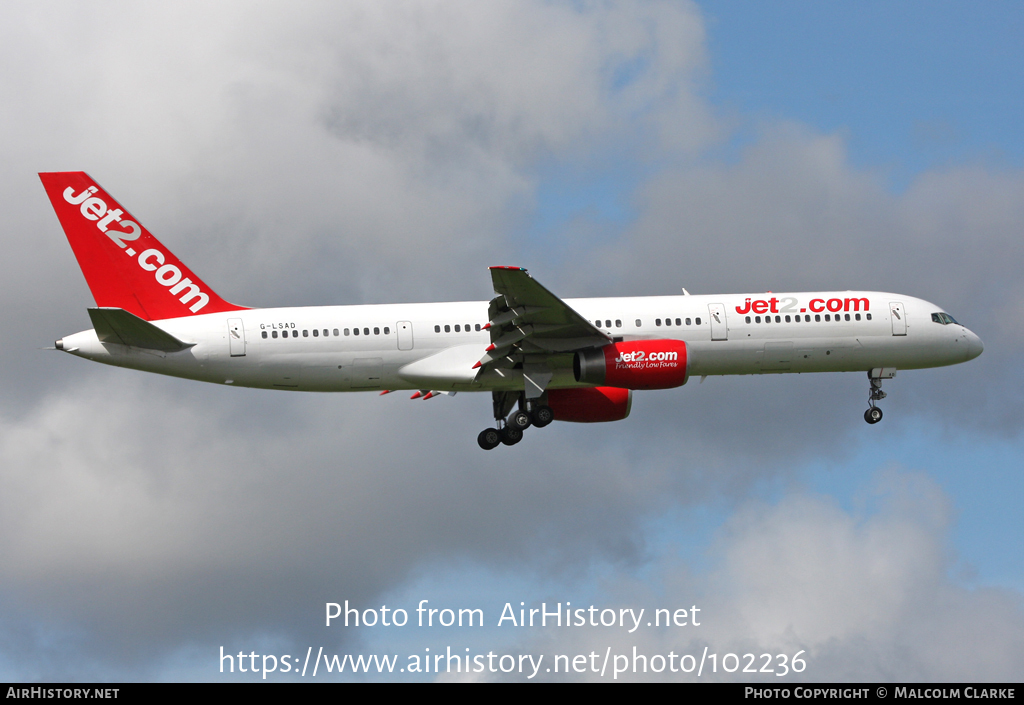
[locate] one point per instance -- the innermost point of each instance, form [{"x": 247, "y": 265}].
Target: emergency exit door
[{"x": 404, "y": 329}]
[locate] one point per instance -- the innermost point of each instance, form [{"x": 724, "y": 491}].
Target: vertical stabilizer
[{"x": 124, "y": 265}]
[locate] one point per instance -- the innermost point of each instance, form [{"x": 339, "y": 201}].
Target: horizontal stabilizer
[{"x": 115, "y": 325}]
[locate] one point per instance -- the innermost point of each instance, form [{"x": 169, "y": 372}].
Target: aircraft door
[
  {"x": 898, "y": 317},
  {"x": 404, "y": 329},
  {"x": 236, "y": 337},
  {"x": 719, "y": 326}
]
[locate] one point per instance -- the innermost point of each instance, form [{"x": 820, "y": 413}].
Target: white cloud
[{"x": 866, "y": 595}]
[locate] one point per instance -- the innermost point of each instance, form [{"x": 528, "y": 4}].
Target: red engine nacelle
[
  {"x": 590, "y": 404},
  {"x": 637, "y": 364}
]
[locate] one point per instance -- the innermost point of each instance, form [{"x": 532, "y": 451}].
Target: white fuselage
[{"x": 435, "y": 345}]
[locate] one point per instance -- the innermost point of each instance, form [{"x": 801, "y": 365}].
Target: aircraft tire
[
  {"x": 519, "y": 419},
  {"x": 542, "y": 416},
  {"x": 510, "y": 435},
  {"x": 873, "y": 415},
  {"x": 489, "y": 438}
]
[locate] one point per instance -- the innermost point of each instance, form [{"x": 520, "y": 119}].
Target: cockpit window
[{"x": 944, "y": 318}]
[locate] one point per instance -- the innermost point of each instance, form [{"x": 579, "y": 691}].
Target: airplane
[{"x": 542, "y": 358}]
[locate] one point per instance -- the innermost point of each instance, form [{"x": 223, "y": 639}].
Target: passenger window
[
  {"x": 437, "y": 329},
  {"x": 597, "y": 324},
  {"x": 274, "y": 334},
  {"x": 757, "y": 319},
  {"x": 316, "y": 333},
  {"x": 847, "y": 316},
  {"x": 668, "y": 321},
  {"x": 817, "y": 318},
  {"x": 787, "y": 319},
  {"x": 387, "y": 331},
  {"x": 447, "y": 329},
  {"x": 748, "y": 319},
  {"x": 355, "y": 331},
  {"x": 697, "y": 320},
  {"x": 679, "y": 322},
  {"x": 305, "y": 334},
  {"x": 657, "y": 321},
  {"x": 376, "y": 331},
  {"x": 618, "y": 323},
  {"x": 688, "y": 321},
  {"x": 366, "y": 331},
  {"x": 638, "y": 323},
  {"x": 477, "y": 327},
  {"x": 336, "y": 332},
  {"x": 264, "y": 332},
  {"x": 458, "y": 328},
  {"x": 867, "y": 316},
  {"x": 857, "y": 316},
  {"x": 346, "y": 331},
  {"x": 827, "y": 318},
  {"x": 767, "y": 319}
]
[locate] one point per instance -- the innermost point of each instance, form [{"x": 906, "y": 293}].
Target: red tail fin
[{"x": 124, "y": 265}]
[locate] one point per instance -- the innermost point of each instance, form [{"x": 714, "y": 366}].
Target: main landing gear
[
  {"x": 530, "y": 412},
  {"x": 873, "y": 415}
]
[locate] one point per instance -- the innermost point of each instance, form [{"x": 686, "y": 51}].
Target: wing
[{"x": 533, "y": 329}]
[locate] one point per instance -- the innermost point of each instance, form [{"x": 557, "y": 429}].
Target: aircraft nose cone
[{"x": 974, "y": 345}]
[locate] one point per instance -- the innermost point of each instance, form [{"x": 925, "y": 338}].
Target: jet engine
[{"x": 637, "y": 364}]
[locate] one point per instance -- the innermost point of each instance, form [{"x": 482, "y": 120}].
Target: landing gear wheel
[
  {"x": 873, "y": 415},
  {"x": 489, "y": 438},
  {"x": 542, "y": 416},
  {"x": 510, "y": 435},
  {"x": 519, "y": 419}
]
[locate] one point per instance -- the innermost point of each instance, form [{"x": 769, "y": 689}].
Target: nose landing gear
[
  {"x": 531, "y": 412},
  {"x": 873, "y": 415}
]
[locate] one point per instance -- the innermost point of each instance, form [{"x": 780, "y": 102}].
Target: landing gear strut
[
  {"x": 873, "y": 415},
  {"x": 509, "y": 427}
]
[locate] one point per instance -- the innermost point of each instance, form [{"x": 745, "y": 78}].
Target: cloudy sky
[{"x": 371, "y": 152}]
